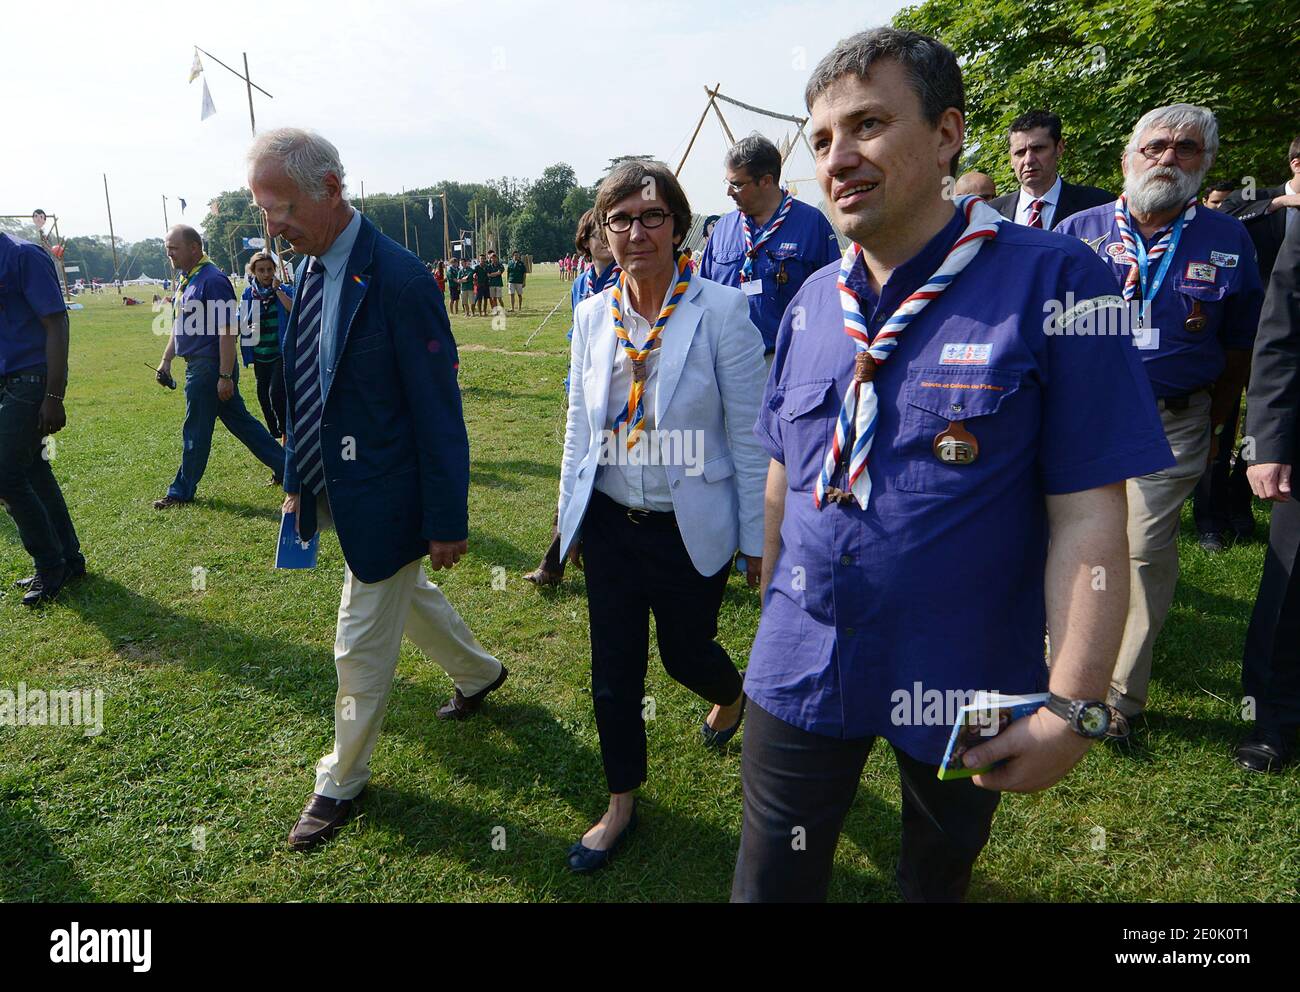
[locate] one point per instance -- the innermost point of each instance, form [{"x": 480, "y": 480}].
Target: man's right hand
[
  {"x": 291, "y": 506},
  {"x": 1270, "y": 480},
  {"x": 575, "y": 554},
  {"x": 164, "y": 371}
]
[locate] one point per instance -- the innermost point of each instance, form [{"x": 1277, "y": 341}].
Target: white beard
[{"x": 1148, "y": 194}]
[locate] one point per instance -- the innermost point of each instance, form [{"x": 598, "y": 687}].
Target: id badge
[
  {"x": 752, "y": 288},
  {"x": 1146, "y": 338}
]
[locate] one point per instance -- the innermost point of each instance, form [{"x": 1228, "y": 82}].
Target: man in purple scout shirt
[{"x": 991, "y": 506}]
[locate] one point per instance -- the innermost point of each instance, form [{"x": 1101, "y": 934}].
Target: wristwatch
[
  {"x": 1087, "y": 717},
  {"x": 225, "y": 375}
]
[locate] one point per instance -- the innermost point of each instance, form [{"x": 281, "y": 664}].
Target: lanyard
[{"x": 1139, "y": 246}]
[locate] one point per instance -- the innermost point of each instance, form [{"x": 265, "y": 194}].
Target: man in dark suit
[
  {"x": 1270, "y": 668},
  {"x": 1222, "y": 498},
  {"x": 375, "y": 443},
  {"x": 1044, "y": 198}
]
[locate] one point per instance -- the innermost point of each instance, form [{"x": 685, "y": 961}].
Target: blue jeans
[
  {"x": 202, "y": 408},
  {"x": 27, "y": 482}
]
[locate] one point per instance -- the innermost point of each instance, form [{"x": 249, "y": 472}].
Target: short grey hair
[
  {"x": 1177, "y": 116},
  {"x": 306, "y": 156},
  {"x": 756, "y": 155}
]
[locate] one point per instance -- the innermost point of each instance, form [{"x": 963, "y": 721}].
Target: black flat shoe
[
  {"x": 1262, "y": 752},
  {"x": 717, "y": 739},
  {"x": 74, "y": 572},
  {"x": 585, "y": 861},
  {"x": 43, "y": 588}
]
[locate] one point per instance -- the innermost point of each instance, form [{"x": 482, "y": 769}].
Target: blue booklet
[
  {"x": 291, "y": 552},
  {"x": 984, "y": 717}
]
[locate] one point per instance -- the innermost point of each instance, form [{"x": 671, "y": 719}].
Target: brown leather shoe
[
  {"x": 320, "y": 820},
  {"x": 460, "y": 706},
  {"x": 166, "y": 503}
]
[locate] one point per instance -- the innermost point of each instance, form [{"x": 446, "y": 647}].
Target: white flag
[
  {"x": 208, "y": 107},
  {"x": 196, "y": 68},
  {"x": 430, "y": 208}
]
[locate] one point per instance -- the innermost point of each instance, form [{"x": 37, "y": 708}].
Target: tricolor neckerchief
[
  {"x": 1139, "y": 257},
  {"x": 634, "y": 412},
  {"x": 597, "y": 284},
  {"x": 857, "y": 418},
  {"x": 773, "y": 225}
]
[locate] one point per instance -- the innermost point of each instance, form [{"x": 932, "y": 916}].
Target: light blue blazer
[{"x": 710, "y": 379}]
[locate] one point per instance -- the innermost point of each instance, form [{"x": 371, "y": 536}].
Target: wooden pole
[
  {"x": 63, "y": 276},
  {"x": 363, "y": 198},
  {"x": 417, "y": 242},
  {"x": 406, "y": 241},
  {"x": 112, "y": 239},
  {"x": 731, "y": 138},
  {"x": 166, "y": 223},
  {"x": 248, "y": 81},
  {"x": 446, "y": 231},
  {"x": 691, "y": 144}
]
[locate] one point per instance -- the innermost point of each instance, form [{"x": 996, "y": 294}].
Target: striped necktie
[
  {"x": 306, "y": 378},
  {"x": 1036, "y": 214}
]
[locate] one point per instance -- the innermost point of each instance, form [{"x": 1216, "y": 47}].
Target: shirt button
[
  {"x": 849, "y": 631},
  {"x": 845, "y": 560},
  {"x": 957, "y": 408},
  {"x": 676, "y": 483}
]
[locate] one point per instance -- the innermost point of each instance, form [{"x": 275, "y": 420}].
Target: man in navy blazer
[{"x": 376, "y": 443}]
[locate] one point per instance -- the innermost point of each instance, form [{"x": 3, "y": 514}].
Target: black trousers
[
  {"x": 1223, "y": 491},
  {"x": 634, "y": 569},
  {"x": 798, "y": 788},
  {"x": 271, "y": 394},
  {"x": 1270, "y": 665}
]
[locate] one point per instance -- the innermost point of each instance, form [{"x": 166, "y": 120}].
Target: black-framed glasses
[
  {"x": 1183, "y": 150},
  {"x": 650, "y": 219}
]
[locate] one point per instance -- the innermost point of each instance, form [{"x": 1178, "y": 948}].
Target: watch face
[{"x": 1094, "y": 719}]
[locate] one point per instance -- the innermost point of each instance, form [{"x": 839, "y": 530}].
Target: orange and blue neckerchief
[{"x": 636, "y": 393}]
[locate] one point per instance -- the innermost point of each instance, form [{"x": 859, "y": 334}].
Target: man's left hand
[
  {"x": 753, "y": 570},
  {"x": 51, "y": 419},
  {"x": 225, "y": 389},
  {"x": 444, "y": 554},
  {"x": 1041, "y": 749}
]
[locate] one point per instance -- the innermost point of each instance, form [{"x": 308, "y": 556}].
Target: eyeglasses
[
  {"x": 1183, "y": 150},
  {"x": 736, "y": 187},
  {"x": 650, "y": 219}
]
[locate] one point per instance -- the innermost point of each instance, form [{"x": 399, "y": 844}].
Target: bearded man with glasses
[{"x": 1191, "y": 274}]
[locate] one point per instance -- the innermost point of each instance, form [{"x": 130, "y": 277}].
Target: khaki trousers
[
  {"x": 1155, "y": 504},
  {"x": 372, "y": 619}
]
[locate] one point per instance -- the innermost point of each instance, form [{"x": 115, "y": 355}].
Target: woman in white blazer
[{"x": 662, "y": 478}]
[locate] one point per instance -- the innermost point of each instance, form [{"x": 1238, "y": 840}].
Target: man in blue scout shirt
[
  {"x": 1190, "y": 274},
  {"x": 946, "y": 483},
  {"x": 33, "y": 379},
  {"x": 772, "y": 243},
  {"x": 206, "y": 335}
]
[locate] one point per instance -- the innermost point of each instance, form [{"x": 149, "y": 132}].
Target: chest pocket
[
  {"x": 807, "y": 415},
  {"x": 371, "y": 359},
  {"x": 991, "y": 405},
  {"x": 1209, "y": 299},
  {"x": 727, "y": 257}
]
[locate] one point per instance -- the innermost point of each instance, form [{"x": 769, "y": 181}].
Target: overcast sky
[{"x": 411, "y": 93}]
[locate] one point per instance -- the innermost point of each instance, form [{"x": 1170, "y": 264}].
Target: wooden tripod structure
[{"x": 714, "y": 96}]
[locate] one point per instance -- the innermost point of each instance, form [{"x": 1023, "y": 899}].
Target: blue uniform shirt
[
  {"x": 940, "y": 581},
  {"x": 1214, "y": 265},
  {"x": 206, "y": 308},
  {"x": 29, "y": 290},
  {"x": 805, "y": 243}
]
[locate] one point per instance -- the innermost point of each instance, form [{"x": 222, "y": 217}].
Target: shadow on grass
[
  {"x": 32, "y": 868},
  {"x": 268, "y": 512}
]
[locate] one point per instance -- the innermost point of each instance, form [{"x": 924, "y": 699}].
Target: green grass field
[{"x": 219, "y": 701}]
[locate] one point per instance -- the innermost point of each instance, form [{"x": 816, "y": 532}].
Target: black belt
[
  {"x": 36, "y": 378},
  {"x": 652, "y": 517},
  {"x": 1179, "y": 403}
]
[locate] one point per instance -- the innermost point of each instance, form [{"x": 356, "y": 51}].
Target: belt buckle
[{"x": 637, "y": 516}]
